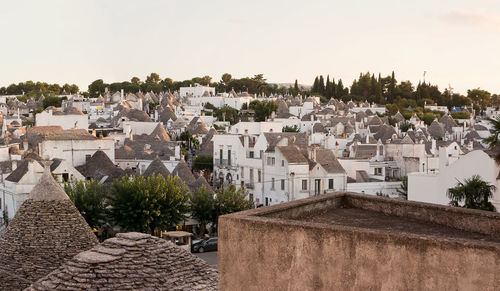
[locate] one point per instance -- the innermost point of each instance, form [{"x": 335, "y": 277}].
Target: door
[{"x": 317, "y": 186}]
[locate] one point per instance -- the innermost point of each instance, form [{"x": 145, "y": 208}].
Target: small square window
[{"x": 304, "y": 184}]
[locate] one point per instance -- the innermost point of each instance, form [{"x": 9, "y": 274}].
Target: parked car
[{"x": 205, "y": 245}]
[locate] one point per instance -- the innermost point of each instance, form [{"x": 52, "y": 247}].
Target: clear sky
[{"x": 457, "y": 42}]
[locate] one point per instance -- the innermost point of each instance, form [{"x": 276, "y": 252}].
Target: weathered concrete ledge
[{"x": 303, "y": 245}]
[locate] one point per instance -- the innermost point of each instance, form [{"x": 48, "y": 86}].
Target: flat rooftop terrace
[
  {"x": 349, "y": 241},
  {"x": 361, "y": 212},
  {"x": 355, "y": 217}
]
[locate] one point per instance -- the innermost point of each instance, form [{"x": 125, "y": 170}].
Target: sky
[{"x": 70, "y": 41}]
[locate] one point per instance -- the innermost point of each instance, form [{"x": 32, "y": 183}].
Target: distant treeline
[
  {"x": 387, "y": 90},
  {"x": 33, "y": 89},
  {"x": 382, "y": 90},
  {"x": 254, "y": 85}
]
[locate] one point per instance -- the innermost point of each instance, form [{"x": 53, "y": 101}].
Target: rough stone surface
[
  {"x": 47, "y": 189},
  {"x": 140, "y": 262},
  {"x": 308, "y": 245},
  {"x": 42, "y": 235}
]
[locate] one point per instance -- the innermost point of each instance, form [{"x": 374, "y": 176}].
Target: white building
[
  {"x": 196, "y": 91},
  {"x": 73, "y": 118},
  {"x": 256, "y": 128},
  {"x": 72, "y": 145},
  {"x": 15, "y": 189},
  {"x": 433, "y": 187}
]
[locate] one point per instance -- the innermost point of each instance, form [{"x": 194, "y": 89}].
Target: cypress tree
[
  {"x": 334, "y": 89},
  {"x": 296, "y": 86},
  {"x": 321, "y": 85},
  {"x": 315, "y": 85},
  {"x": 340, "y": 89},
  {"x": 328, "y": 87},
  {"x": 392, "y": 87}
]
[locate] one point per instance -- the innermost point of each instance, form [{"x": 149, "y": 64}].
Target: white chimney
[{"x": 177, "y": 152}]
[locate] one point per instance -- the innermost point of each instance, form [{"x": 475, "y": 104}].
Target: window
[
  {"x": 258, "y": 175},
  {"x": 251, "y": 175},
  {"x": 250, "y": 154},
  {"x": 267, "y": 201},
  {"x": 330, "y": 183},
  {"x": 65, "y": 177},
  {"x": 242, "y": 172},
  {"x": 282, "y": 163},
  {"x": 378, "y": 171},
  {"x": 87, "y": 157},
  {"x": 304, "y": 184},
  {"x": 229, "y": 157},
  {"x": 272, "y": 184},
  {"x": 221, "y": 152},
  {"x": 282, "y": 184},
  {"x": 250, "y": 197},
  {"x": 270, "y": 161}
]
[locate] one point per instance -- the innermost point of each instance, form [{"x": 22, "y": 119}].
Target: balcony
[
  {"x": 249, "y": 185},
  {"x": 221, "y": 163}
]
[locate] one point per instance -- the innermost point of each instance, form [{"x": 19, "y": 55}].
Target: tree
[
  {"x": 403, "y": 189},
  {"x": 290, "y": 128},
  {"x": 203, "y": 207},
  {"x": 263, "y": 109},
  {"x": 97, "y": 87},
  {"x": 153, "y": 78},
  {"x": 229, "y": 200},
  {"x": 146, "y": 204},
  {"x": 226, "y": 78},
  {"x": 227, "y": 113},
  {"x": 204, "y": 163},
  {"x": 192, "y": 142},
  {"x": 472, "y": 193},
  {"x": 52, "y": 101},
  {"x": 89, "y": 198},
  {"x": 135, "y": 80},
  {"x": 481, "y": 98},
  {"x": 493, "y": 140}
]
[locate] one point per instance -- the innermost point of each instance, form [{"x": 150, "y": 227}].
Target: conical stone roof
[
  {"x": 156, "y": 167},
  {"x": 132, "y": 261},
  {"x": 182, "y": 170},
  {"x": 46, "y": 231}
]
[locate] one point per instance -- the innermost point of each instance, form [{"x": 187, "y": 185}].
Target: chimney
[
  {"x": 312, "y": 153},
  {"x": 177, "y": 151},
  {"x": 122, "y": 95},
  {"x": 433, "y": 146},
  {"x": 14, "y": 165},
  {"x": 94, "y": 132},
  {"x": 312, "y": 117},
  {"x": 245, "y": 141}
]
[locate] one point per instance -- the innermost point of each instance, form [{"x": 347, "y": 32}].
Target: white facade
[
  {"x": 437, "y": 108},
  {"x": 220, "y": 101},
  {"x": 66, "y": 121},
  {"x": 432, "y": 188},
  {"x": 256, "y": 128},
  {"x": 76, "y": 151},
  {"x": 196, "y": 91}
]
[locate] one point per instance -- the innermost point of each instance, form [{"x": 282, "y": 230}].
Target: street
[{"x": 209, "y": 257}]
